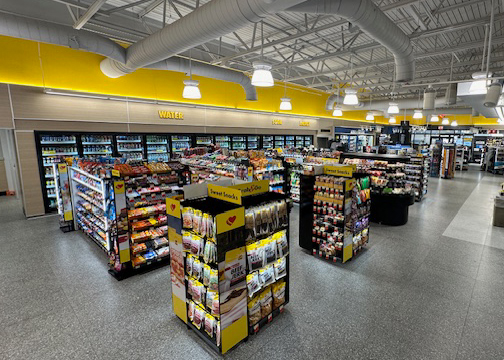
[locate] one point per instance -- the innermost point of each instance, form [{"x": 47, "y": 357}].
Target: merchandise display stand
[
  {"x": 448, "y": 161},
  {"x": 334, "y": 212},
  {"x": 122, "y": 209},
  {"x": 462, "y": 158},
  {"x": 210, "y": 270},
  {"x": 391, "y": 193},
  {"x": 63, "y": 197},
  {"x": 417, "y": 173}
]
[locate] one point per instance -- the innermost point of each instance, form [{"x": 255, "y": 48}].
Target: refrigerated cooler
[
  {"x": 289, "y": 141},
  {"x": 268, "y": 142},
  {"x": 52, "y": 150},
  {"x": 157, "y": 148},
  {"x": 180, "y": 143},
  {"x": 93, "y": 145},
  {"x": 252, "y": 142},
  {"x": 308, "y": 140},
  {"x": 130, "y": 146},
  {"x": 204, "y": 140},
  {"x": 299, "y": 141},
  {"x": 279, "y": 141},
  {"x": 223, "y": 141},
  {"x": 238, "y": 142}
]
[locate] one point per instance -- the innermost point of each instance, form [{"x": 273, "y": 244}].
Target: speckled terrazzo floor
[{"x": 431, "y": 289}]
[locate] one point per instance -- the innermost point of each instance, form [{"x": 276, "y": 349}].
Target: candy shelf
[
  {"x": 92, "y": 206},
  {"x": 334, "y": 212}
]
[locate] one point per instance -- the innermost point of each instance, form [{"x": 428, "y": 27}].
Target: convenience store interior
[{"x": 237, "y": 179}]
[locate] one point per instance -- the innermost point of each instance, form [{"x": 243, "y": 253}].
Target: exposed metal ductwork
[
  {"x": 210, "y": 21},
  {"x": 368, "y": 17},
  {"x": 197, "y": 68},
  {"x": 47, "y": 32},
  {"x": 50, "y": 33}
]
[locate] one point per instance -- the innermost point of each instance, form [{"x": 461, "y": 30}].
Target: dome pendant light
[
  {"x": 191, "y": 89},
  {"x": 285, "y": 102},
  {"x": 393, "y": 108},
  {"x": 351, "y": 94},
  {"x": 337, "y": 109},
  {"x": 392, "y": 120},
  {"x": 445, "y": 121},
  {"x": 351, "y": 97},
  {"x": 417, "y": 114},
  {"x": 262, "y": 71},
  {"x": 454, "y": 122},
  {"x": 434, "y": 118},
  {"x": 370, "y": 115}
]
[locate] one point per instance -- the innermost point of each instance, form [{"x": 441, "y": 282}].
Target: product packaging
[
  {"x": 254, "y": 311},
  {"x": 255, "y": 256},
  {"x": 278, "y": 294},
  {"x": 199, "y": 315},
  {"x": 280, "y": 268},
  {"x": 189, "y": 264},
  {"x": 190, "y": 311},
  {"x": 186, "y": 240},
  {"x": 267, "y": 275},
  {"x": 266, "y": 301},
  {"x": 214, "y": 279},
  {"x": 187, "y": 214},
  {"x": 270, "y": 250},
  {"x": 282, "y": 244},
  {"x": 206, "y": 275},
  {"x": 253, "y": 284},
  {"x": 197, "y": 269},
  {"x": 209, "y": 325}
]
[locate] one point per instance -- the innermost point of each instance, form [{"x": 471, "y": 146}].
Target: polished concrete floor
[{"x": 432, "y": 289}]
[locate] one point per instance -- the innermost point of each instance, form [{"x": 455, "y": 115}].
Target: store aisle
[{"x": 431, "y": 289}]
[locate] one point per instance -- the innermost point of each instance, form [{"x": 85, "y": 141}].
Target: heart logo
[
  {"x": 172, "y": 207},
  {"x": 119, "y": 186},
  {"x": 231, "y": 220}
]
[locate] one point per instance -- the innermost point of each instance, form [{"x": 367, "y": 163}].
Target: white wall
[{"x": 8, "y": 152}]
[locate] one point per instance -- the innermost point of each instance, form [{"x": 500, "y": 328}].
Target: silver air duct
[
  {"x": 368, "y": 17},
  {"x": 208, "y": 22},
  {"x": 197, "y": 68},
  {"x": 492, "y": 96},
  {"x": 50, "y": 33},
  {"x": 451, "y": 94},
  {"x": 429, "y": 99},
  {"x": 330, "y": 102}
]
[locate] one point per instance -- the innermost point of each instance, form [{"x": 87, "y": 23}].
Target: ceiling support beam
[{"x": 90, "y": 12}]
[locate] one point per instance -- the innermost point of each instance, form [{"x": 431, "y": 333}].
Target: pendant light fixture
[
  {"x": 191, "y": 89},
  {"x": 392, "y": 120},
  {"x": 370, "y": 115},
  {"x": 417, "y": 114},
  {"x": 393, "y": 108},
  {"x": 262, "y": 71},
  {"x": 445, "y": 121},
  {"x": 337, "y": 109},
  {"x": 351, "y": 94},
  {"x": 434, "y": 118},
  {"x": 454, "y": 122},
  {"x": 285, "y": 102}
]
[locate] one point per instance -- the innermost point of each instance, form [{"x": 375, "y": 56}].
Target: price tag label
[
  {"x": 270, "y": 318},
  {"x": 256, "y": 328}
]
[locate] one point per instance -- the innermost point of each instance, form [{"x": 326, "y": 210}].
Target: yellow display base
[
  {"x": 179, "y": 308},
  {"x": 234, "y": 333}
]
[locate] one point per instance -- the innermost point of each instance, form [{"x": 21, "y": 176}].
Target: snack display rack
[
  {"x": 273, "y": 170},
  {"x": 208, "y": 254},
  {"x": 462, "y": 158},
  {"x": 391, "y": 193},
  {"x": 334, "y": 212},
  {"x": 435, "y": 163},
  {"x": 93, "y": 206},
  {"x": 417, "y": 173},
  {"x": 146, "y": 195}
]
